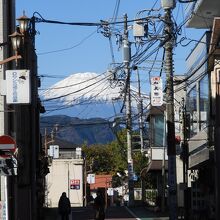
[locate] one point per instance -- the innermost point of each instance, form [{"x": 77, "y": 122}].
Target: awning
[
  {"x": 198, "y": 158},
  {"x": 198, "y": 151},
  {"x": 157, "y": 165},
  {"x": 198, "y": 141}
]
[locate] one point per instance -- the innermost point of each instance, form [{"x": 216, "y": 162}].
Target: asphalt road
[{"x": 112, "y": 213}]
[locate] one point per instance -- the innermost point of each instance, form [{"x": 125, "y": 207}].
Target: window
[
  {"x": 158, "y": 130},
  {"x": 191, "y": 107},
  {"x": 198, "y": 106},
  {"x": 203, "y": 102}
]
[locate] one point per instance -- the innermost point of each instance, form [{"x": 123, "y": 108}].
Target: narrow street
[{"x": 112, "y": 213}]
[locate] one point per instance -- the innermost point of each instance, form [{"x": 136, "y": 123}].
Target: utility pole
[
  {"x": 217, "y": 149},
  {"x": 171, "y": 146},
  {"x": 127, "y": 57},
  {"x": 140, "y": 111},
  {"x": 141, "y": 129},
  {"x": 185, "y": 159}
]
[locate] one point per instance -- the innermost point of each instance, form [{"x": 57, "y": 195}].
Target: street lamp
[
  {"x": 16, "y": 41},
  {"x": 23, "y": 23},
  {"x": 16, "y": 38}
]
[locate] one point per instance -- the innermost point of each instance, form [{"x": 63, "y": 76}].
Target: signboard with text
[
  {"x": 3, "y": 211},
  {"x": 156, "y": 91},
  {"x": 75, "y": 184},
  {"x": 18, "y": 87},
  {"x": 91, "y": 178}
]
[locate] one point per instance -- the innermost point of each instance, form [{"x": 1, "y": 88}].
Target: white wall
[
  {"x": 179, "y": 179},
  {"x": 62, "y": 171},
  {"x": 158, "y": 153}
]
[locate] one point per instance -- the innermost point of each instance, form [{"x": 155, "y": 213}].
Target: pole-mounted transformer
[{"x": 126, "y": 51}]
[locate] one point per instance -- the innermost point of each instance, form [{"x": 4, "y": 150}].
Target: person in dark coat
[
  {"x": 64, "y": 207},
  {"x": 99, "y": 206}
]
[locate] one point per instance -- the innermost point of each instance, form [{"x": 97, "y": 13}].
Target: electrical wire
[
  {"x": 76, "y": 84},
  {"x": 68, "y": 48},
  {"x": 88, "y": 24},
  {"x": 197, "y": 68},
  {"x": 68, "y": 105},
  {"x": 74, "y": 101},
  {"x": 81, "y": 89}
]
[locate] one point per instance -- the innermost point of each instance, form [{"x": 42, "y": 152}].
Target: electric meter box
[{"x": 168, "y": 4}]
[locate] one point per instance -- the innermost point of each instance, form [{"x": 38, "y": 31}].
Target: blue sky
[{"x": 93, "y": 51}]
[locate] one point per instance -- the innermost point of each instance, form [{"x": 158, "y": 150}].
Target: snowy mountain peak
[
  {"x": 83, "y": 86},
  {"x": 90, "y": 95}
]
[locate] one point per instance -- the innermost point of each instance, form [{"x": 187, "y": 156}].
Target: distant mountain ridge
[{"x": 78, "y": 131}]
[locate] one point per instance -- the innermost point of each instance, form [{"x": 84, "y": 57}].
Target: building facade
[{"x": 66, "y": 175}]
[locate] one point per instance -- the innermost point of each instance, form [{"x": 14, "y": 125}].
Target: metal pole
[
  {"x": 68, "y": 174},
  {"x": 140, "y": 113},
  {"x": 141, "y": 129},
  {"x": 126, "y": 49},
  {"x": 217, "y": 151},
  {"x": 85, "y": 183},
  {"x": 171, "y": 147}
]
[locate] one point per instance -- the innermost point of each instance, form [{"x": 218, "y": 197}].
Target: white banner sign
[
  {"x": 18, "y": 87},
  {"x": 156, "y": 91},
  {"x": 91, "y": 178}
]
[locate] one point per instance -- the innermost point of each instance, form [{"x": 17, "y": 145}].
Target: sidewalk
[{"x": 50, "y": 214}]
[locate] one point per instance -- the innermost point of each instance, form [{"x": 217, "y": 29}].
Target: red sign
[
  {"x": 75, "y": 184},
  {"x": 7, "y": 143}
]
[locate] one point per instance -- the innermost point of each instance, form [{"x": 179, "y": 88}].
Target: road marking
[{"x": 132, "y": 213}]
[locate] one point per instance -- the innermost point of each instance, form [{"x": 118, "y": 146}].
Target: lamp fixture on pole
[
  {"x": 16, "y": 41},
  {"x": 23, "y": 23}
]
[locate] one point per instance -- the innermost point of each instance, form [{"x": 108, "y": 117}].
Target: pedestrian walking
[
  {"x": 64, "y": 207},
  {"x": 99, "y": 206}
]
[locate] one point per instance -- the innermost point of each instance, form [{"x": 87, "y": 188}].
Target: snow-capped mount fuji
[{"x": 85, "y": 95}]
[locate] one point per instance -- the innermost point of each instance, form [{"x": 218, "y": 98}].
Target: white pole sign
[
  {"x": 18, "y": 87},
  {"x": 156, "y": 91}
]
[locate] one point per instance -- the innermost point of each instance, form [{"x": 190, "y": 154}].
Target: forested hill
[{"x": 78, "y": 131}]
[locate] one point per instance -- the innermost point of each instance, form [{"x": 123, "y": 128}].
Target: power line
[
  {"x": 76, "y": 84},
  {"x": 68, "y": 48},
  {"x": 81, "y": 89}
]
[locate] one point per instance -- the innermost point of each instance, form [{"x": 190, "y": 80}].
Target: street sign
[
  {"x": 110, "y": 191},
  {"x": 91, "y": 178},
  {"x": 75, "y": 184},
  {"x": 156, "y": 91},
  {"x": 135, "y": 177},
  {"x": 8, "y": 166},
  {"x": 7, "y": 143},
  {"x": 18, "y": 87},
  {"x": 54, "y": 151}
]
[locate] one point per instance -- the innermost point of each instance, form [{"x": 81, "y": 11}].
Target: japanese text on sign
[
  {"x": 75, "y": 184},
  {"x": 156, "y": 91}
]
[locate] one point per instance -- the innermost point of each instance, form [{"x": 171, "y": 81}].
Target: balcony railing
[{"x": 69, "y": 155}]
